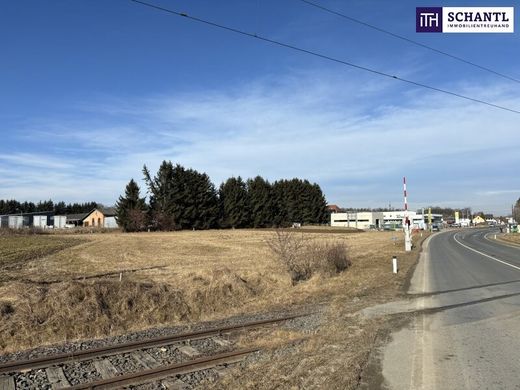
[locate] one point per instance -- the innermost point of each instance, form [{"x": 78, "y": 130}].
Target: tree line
[
  {"x": 181, "y": 198},
  {"x": 60, "y": 208}
]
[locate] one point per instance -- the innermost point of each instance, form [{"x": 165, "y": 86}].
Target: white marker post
[{"x": 395, "y": 269}]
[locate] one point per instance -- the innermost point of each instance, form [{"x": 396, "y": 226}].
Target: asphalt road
[{"x": 466, "y": 328}]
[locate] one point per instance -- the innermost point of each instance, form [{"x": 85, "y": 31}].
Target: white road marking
[{"x": 483, "y": 254}]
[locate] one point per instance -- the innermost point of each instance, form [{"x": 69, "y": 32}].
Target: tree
[
  {"x": 160, "y": 190},
  {"x": 131, "y": 209},
  {"x": 262, "y": 202},
  {"x": 60, "y": 208},
  {"x": 516, "y": 211},
  {"x": 181, "y": 198},
  {"x": 234, "y": 203}
]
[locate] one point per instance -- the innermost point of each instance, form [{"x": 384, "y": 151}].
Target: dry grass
[
  {"x": 336, "y": 356},
  {"x": 18, "y": 251},
  {"x": 204, "y": 275},
  {"x": 511, "y": 237}
]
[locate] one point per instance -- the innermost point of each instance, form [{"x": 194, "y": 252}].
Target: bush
[
  {"x": 336, "y": 257},
  {"x": 303, "y": 257}
]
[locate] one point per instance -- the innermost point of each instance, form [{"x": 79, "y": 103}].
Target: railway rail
[{"x": 156, "y": 358}]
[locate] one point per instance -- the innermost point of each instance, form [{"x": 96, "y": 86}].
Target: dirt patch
[{"x": 16, "y": 249}]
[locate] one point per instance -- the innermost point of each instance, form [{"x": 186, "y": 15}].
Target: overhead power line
[
  {"x": 323, "y": 56},
  {"x": 350, "y": 18}
]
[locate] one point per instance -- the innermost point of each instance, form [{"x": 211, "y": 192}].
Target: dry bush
[
  {"x": 289, "y": 248},
  {"x": 329, "y": 258},
  {"x": 303, "y": 257}
]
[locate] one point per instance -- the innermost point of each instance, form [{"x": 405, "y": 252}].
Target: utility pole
[{"x": 407, "y": 238}]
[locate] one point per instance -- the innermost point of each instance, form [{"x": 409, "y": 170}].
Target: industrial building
[
  {"x": 382, "y": 219},
  {"x": 98, "y": 217},
  {"x": 39, "y": 219}
]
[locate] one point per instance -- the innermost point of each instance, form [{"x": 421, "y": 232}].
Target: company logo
[
  {"x": 465, "y": 19},
  {"x": 429, "y": 19}
]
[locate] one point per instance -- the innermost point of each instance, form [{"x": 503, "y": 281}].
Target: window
[
  {"x": 86, "y": 223},
  {"x": 99, "y": 221},
  {"x": 93, "y": 222}
]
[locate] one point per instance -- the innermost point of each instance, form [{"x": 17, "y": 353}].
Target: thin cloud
[{"x": 356, "y": 140}]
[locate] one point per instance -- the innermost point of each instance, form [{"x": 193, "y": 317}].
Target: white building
[
  {"x": 362, "y": 220},
  {"x": 382, "y": 219}
]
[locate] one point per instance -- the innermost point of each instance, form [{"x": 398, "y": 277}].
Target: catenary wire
[
  {"x": 323, "y": 56},
  {"x": 350, "y": 18}
]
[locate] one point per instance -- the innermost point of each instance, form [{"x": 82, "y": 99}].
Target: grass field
[{"x": 55, "y": 288}]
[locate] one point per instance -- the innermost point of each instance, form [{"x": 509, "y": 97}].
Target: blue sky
[{"x": 92, "y": 90}]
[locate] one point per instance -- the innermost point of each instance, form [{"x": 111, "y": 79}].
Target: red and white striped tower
[{"x": 407, "y": 238}]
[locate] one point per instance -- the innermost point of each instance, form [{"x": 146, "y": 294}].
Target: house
[
  {"x": 104, "y": 217},
  {"x": 478, "y": 220},
  {"x": 101, "y": 217},
  {"x": 75, "y": 219}
]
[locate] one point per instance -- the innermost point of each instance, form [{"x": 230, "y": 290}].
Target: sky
[{"x": 92, "y": 90}]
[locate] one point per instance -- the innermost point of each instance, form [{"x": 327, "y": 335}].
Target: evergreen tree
[
  {"x": 262, "y": 202},
  {"x": 234, "y": 203},
  {"x": 194, "y": 198},
  {"x": 131, "y": 209},
  {"x": 181, "y": 198},
  {"x": 282, "y": 205},
  {"x": 516, "y": 211},
  {"x": 160, "y": 189},
  {"x": 47, "y": 205},
  {"x": 60, "y": 208}
]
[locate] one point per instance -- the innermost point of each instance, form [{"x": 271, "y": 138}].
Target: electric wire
[
  {"x": 350, "y": 18},
  {"x": 323, "y": 56}
]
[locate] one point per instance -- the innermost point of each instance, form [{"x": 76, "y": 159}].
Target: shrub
[{"x": 303, "y": 257}]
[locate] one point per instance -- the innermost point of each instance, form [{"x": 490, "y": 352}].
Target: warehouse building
[
  {"x": 98, "y": 217},
  {"x": 38, "y": 219}
]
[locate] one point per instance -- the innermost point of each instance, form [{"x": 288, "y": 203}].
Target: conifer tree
[
  {"x": 131, "y": 209},
  {"x": 234, "y": 203},
  {"x": 262, "y": 202},
  {"x": 160, "y": 190}
]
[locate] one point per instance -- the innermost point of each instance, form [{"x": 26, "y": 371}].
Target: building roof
[
  {"x": 106, "y": 211},
  {"x": 32, "y": 213},
  {"x": 76, "y": 217},
  {"x": 333, "y": 207}
]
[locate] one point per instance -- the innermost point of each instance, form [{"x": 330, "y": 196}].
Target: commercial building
[
  {"x": 38, "y": 219},
  {"x": 390, "y": 220},
  {"x": 98, "y": 217}
]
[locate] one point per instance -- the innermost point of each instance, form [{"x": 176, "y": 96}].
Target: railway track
[{"x": 133, "y": 363}]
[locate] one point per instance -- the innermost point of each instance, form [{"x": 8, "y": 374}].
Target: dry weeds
[{"x": 511, "y": 237}]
